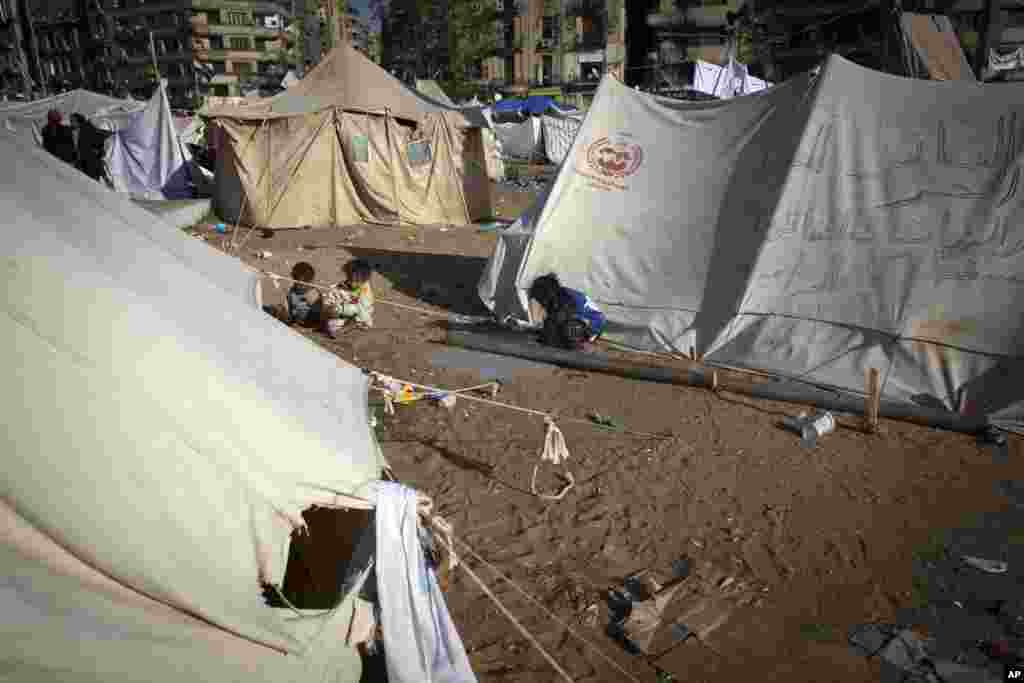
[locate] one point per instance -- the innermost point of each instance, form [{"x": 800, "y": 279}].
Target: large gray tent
[{"x": 837, "y": 222}]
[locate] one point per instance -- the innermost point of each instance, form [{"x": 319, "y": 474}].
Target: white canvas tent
[
  {"x": 145, "y": 157},
  {"x": 520, "y": 140},
  {"x": 833, "y": 223},
  {"x": 166, "y": 436}
]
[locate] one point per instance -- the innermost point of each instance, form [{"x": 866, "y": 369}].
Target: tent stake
[{"x": 871, "y": 399}]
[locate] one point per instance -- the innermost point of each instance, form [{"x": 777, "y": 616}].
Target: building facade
[
  {"x": 201, "y": 47},
  {"x": 556, "y": 47}
]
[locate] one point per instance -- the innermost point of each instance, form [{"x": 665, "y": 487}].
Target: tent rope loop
[
  {"x": 556, "y": 452},
  {"x": 425, "y": 508}
]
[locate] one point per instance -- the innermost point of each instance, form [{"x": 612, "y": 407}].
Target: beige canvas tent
[
  {"x": 830, "y": 224},
  {"x": 166, "y": 437},
  {"x": 349, "y": 143}
]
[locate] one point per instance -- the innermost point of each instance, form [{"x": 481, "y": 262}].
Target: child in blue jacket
[{"x": 571, "y": 319}]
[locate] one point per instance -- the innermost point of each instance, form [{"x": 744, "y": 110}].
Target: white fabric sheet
[
  {"x": 421, "y": 644},
  {"x": 727, "y": 81},
  {"x": 146, "y": 158}
]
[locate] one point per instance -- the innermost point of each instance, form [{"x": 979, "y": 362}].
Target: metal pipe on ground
[{"x": 777, "y": 390}]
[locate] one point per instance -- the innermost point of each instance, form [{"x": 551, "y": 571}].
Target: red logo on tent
[{"x": 615, "y": 158}]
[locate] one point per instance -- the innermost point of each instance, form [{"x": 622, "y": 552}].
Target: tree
[
  {"x": 440, "y": 39},
  {"x": 472, "y": 37}
]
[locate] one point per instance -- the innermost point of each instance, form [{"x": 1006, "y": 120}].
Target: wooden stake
[
  {"x": 693, "y": 354},
  {"x": 871, "y": 400}
]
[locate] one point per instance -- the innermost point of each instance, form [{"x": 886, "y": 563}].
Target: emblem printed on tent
[
  {"x": 610, "y": 159},
  {"x": 615, "y": 158}
]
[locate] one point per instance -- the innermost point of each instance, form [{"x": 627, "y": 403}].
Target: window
[
  {"x": 418, "y": 152},
  {"x": 550, "y": 31},
  {"x": 242, "y": 68},
  {"x": 360, "y": 148},
  {"x": 239, "y": 43},
  {"x": 216, "y": 42},
  {"x": 236, "y": 19}
]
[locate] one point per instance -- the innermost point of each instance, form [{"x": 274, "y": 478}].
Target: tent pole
[
  {"x": 781, "y": 390},
  {"x": 991, "y": 32},
  {"x": 391, "y": 157}
]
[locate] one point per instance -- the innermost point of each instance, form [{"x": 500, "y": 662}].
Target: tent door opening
[{"x": 320, "y": 562}]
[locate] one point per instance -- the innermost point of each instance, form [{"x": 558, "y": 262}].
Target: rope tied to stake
[{"x": 556, "y": 452}]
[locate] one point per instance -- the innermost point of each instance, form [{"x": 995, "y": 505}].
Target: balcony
[
  {"x": 548, "y": 44},
  {"x": 201, "y": 28},
  {"x": 259, "y": 6},
  {"x": 584, "y": 8},
  {"x": 589, "y": 41}
]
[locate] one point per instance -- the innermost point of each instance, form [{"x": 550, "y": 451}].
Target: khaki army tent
[
  {"x": 834, "y": 223},
  {"x": 349, "y": 143},
  {"x": 166, "y": 437}
]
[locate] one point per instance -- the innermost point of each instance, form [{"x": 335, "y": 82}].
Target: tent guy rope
[{"x": 555, "y": 450}]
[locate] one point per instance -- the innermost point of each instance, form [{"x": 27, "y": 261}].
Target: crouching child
[
  {"x": 349, "y": 301},
  {"x": 571, "y": 319},
  {"x": 303, "y": 299}
]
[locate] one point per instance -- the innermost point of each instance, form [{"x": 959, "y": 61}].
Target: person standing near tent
[
  {"x": 349, "y": 300},
  {"x": 92, "y": 143},
  {"x": 571, "y": 319},
  {"x": 59, "y": 139}
]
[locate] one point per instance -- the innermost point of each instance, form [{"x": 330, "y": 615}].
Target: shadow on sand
[{"x": 444, "y": 280}]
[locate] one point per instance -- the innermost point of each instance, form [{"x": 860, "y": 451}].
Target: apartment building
[
  {"x": 52, "y": 46},
  {"x": 556, "y": 47},
  {"x": 215, "y": 47}
]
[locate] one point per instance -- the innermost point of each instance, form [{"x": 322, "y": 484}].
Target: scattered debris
[
  {"x": 987, "y": 566},
  {"x": 810, "y": 427},
  {"x": 599, "y": 419}
]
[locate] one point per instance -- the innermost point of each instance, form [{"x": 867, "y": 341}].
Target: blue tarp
[{"x": 536, "y": 105}]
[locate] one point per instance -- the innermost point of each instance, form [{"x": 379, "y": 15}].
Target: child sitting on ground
[
  {"x": 349, "y": 300},
  {"x": 571, "y": 320},
  {"x": 303, "y": 300}
]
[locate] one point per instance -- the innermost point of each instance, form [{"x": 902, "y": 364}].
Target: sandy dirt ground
[{"x": 789, "y": 546}]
